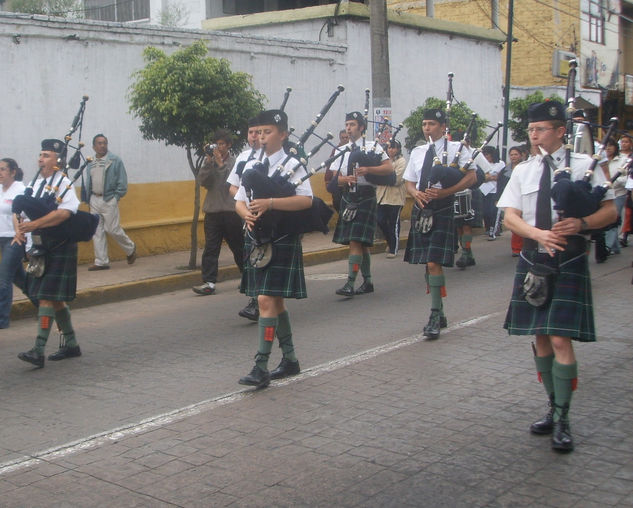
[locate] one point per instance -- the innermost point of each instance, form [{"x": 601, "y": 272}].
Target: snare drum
[{"x": 463, "y": 205}]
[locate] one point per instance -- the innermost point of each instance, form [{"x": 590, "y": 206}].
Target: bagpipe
[
  {"x": 240, "y": 165},
  {"x": 578, "y": 198},
  {"x": 80, "y": 226},
  {"x": 369, "y": 157},
  {"x": 451, "y": 174},
  {"x": 275, "y": 224}
]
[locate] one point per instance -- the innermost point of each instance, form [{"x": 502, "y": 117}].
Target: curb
[{"x": 164, "y": 284}]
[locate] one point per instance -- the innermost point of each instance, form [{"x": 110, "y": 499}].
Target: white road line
[{"x": 161, "y": 420}]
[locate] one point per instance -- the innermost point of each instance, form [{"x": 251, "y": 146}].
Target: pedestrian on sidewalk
[
  {"x": 221, "y": 222},
  {"x": 251, "y": 311},
  {"x": 57, "y": 285},
  {"x": 11, "y": 269},
  {"x": 390, "y": 200},
  {"x": 555, "y": 306},
  {"x": 282, "y": 277},
  {"x": 433, "y": 247},
  {"x": 358, "y": 199},
  {"x": 104, "y": 185}
]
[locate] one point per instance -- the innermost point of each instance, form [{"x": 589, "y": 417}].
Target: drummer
[{"x": 433, "y": 248}]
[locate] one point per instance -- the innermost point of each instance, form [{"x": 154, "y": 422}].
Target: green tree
[
  {"x": 517, "y": 122},
  {"x": 61, "y": 8},
  {"x": 459, "y": 119},
  {"x": 183, "y": 98}
]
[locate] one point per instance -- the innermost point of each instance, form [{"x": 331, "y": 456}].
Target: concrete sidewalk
[{"x": 168, "y": 272}]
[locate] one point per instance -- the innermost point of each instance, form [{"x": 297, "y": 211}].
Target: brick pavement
[{"x": 424, "y": 424}]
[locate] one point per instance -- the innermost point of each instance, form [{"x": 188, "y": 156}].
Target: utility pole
[
  {"x": 379, "y": 43},
  {"x": 506, "y": 91}
]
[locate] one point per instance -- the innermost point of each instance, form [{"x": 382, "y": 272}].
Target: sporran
[
  {"x": 424, "y": 221},
  {"x": 350, "y": 211},
  {"x": 538, "y": 284}
]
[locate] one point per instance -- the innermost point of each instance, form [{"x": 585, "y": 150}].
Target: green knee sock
[
  {"x": 365, "y": 266},
  {"x": 544, "y": 369},
  {"x": 267, "y": 326},
  {"x": 45, "y": 317},
  {"x": 466, "y": 241},
  {"x": 436, "y": 282},
  {"x": 65, "y": 325},
  {"x": 284, "y": 334},
  {"x": 565, "y": 380},
  {"x": 354, "y": 264}
]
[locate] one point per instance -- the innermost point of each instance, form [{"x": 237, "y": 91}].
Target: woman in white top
[
  {"x": 615, "y": 161},
  {"x": 11, "y": 269}
]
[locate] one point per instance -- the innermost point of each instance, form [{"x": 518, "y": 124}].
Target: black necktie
[
  {"x": 544, "y": 199},
  {"x": 264, "y": 167},
  {"x": 425, "y": 174},
  {"x": 41, "y": 188}
]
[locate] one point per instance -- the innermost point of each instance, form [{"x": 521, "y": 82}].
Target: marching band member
[
  {"x": 58, "y": 284},
  {"x": 283, "y": 276},
  {"x": 434, "y": 248},
  {"x": 251, "y": 311},
  {"x": 560, "y": 310},
  {"x": 358, "y": 232}
]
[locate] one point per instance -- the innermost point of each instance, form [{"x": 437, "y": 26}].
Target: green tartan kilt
[
  {"x": 477, "y": 203},
  {"x": 59, "y": 282},
  {"x": 363, "y": 227},
  {"x": 283, "y": 276},
  {"x": 570, "y": 312},
  {"x": 437, "y": 246}
]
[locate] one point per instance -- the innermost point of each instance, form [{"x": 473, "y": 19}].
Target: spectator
[
  {"x": 390, "y": 200},
  {"x": 105, "y": 185}
]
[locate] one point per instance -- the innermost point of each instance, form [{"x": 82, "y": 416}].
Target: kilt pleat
[
  {"x": 363, "y": 228},
  {"x": 59, "y": 282},
  {"x": 283, "y": 276},
  {"x": 437, "y": 246},
  {"x": 569, "y": 314}
]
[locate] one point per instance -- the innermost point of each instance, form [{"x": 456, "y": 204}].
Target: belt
[
  {"x": 576, "y": 244},
  {"x": 97, "y": 194}
]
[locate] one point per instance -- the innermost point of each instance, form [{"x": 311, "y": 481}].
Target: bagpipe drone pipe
[
  {"x": 258, "y": 185},
  {"x": 369, "y": 157},
  {"x": 80, "y": 226}
]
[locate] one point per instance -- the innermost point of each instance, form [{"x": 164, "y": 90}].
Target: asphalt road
[{"x": 153, "y": 355}]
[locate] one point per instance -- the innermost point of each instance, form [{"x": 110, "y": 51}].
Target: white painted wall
[{"x": 45, "y": 73}]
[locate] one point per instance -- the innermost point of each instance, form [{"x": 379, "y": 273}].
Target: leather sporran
[
  {"x": 349, "y": 212},
  {"x": 424, "y": 221},
  {"x": 261, "y": 255},
  {"x": 538, "y": 284}
]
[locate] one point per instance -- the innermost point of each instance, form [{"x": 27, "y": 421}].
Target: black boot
[
  {"x": 65, "y": 352},
  {"x": 432, "y": 328},
  {"x": 561, "y": 437},
  {"x": 285, "y": 368},
  {"x": 546, "y": 424},
  {"x": 32, "y": 356},
  {"x": 251, "y": 311},
  {"x": 365, "y": 287},
  {"x": 257, "y": 377},
  {"x": 347, "y": 290}
]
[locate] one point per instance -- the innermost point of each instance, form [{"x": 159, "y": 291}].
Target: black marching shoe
[
  {"x": 365, "y": 287},
  {"x": 285, "y": 368},
  {"x": 546, "y": 424},
  {"x": 347, "y": 290},
  {"x": 432, "y": 329},
  {"x": 443, "y": 322},
  {"x": 465, "y": 260},
  {"x": 65, "y": 352},
  {"x": 251, "y": 311},
  {"x": 32, "y": 356},
  {"x": 561, "y": 437},
  {"x": 257, "y": 377}
]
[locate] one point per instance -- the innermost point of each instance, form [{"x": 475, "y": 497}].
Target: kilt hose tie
[
  {"x": 45, "y": 316},
  {"x": 565, "y": 378},
  {"x": 284, "y": 334},
  {"x": 66, "y": 327},
  {"x": 267, "y": 327}
]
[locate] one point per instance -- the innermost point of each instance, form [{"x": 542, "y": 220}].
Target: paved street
[{"x": 152, "y": 415}]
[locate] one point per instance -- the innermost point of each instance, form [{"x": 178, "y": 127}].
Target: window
[
  {"x": 117, "y": 10},
  {"x": 595, "y": 17}
]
